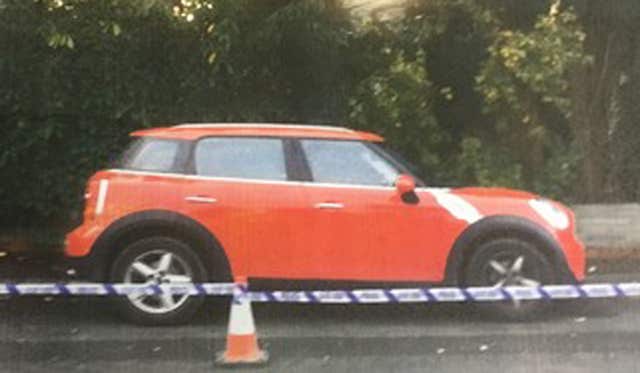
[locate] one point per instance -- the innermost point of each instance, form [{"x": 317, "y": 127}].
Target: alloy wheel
[
  {"x": 509, "y": 269},
  {"x": 510, "y": 273},
  {"x": 154, "y": 268}
]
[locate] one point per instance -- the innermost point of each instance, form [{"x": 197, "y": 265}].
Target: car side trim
[{"x": 261, "y": 181}]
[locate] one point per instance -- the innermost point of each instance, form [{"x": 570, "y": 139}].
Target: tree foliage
[
  {"x": 536, "y": 95},
  {"x": 525, "y": 84}
]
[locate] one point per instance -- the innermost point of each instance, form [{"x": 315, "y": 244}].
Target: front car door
[{"x": 358, "y": 226}]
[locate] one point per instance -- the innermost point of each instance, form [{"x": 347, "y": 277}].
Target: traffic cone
[{"x": 242, "y": 342}]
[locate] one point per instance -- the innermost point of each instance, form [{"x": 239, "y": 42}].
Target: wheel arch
[
  {"x": 158, "y": 222},
  {"x": 500, "y": 226}
]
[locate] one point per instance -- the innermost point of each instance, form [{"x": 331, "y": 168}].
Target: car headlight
[{"x": 550, "y": 213}]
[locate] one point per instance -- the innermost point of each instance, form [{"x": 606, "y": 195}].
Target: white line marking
[
  {"x": 265, "y": 126},
  {"x": 456, "y": 205},
  {"x": 102, "y": 196}
]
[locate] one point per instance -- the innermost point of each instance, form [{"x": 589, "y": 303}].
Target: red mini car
[{"x": 206, "y": 202}]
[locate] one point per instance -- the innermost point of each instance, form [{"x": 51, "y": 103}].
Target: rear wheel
[
  {"x": 158, "y": 260},
  {"x": 510, "y": 262}
]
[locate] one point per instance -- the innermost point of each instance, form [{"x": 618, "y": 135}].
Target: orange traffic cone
[{"x": 242, "y": 342}]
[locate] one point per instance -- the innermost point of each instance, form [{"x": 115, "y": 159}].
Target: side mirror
[{"x": 405, "y": 184}]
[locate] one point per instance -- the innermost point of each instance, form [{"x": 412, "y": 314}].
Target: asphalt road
[{"x": 83, "y": 335}]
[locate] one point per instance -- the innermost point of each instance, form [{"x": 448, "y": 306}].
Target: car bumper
[
  {"x": 79, "y": 258},
  {"x": 78, "y": 243},
  {"x": 575, "y": 256}
]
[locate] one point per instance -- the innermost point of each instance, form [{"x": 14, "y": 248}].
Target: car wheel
[
  {"x": 510, "y": 262},
  {"x": 157, "y": 260}
]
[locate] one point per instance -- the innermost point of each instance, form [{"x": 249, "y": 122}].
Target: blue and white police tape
[
  {"x": 398, "y": 295},
  {"x": 116, "y": 289}
]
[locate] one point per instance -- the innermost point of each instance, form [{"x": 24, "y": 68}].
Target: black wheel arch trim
[
  {"x": 504, "y": 226},
  {"x": 97, "y": 263}
]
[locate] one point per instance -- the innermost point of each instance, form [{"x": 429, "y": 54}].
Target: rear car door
[{"x": 242, "y": 193}]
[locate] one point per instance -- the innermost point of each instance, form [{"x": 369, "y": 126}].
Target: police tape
[{"x": 397, "y": 295}]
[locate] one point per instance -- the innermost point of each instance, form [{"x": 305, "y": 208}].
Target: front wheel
[
  {"x": 157, "y": 260},
  {"x": 510, "y": 262}
]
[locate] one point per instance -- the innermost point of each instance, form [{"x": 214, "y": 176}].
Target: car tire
[
  {"x": 157, "y": 260},
  {"x": 510, "y": 262}
]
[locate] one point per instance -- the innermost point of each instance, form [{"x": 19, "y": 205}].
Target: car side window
[
  {"x": 154, "y": 155},
  {"x": 347, "y": 162},
  {"x": 248, "y": 158}
]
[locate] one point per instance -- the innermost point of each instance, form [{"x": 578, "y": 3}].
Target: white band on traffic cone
[{"x": 241, "y": 318}]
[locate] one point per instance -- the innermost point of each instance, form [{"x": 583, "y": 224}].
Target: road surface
[{"x": 83, "y": 335}]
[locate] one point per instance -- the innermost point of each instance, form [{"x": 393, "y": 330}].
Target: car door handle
[
  {"x": 329, "y": 205},
  {"x": 200, "y": 199}
]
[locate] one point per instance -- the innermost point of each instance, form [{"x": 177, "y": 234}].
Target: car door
[
  {"x": 358, "y": 226},
  {"x": 241, "y": 192}
]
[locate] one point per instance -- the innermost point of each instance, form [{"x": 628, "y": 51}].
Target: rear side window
[
  {"x": 154, "y": 155},
  {"x": 247, "y": 158}
]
